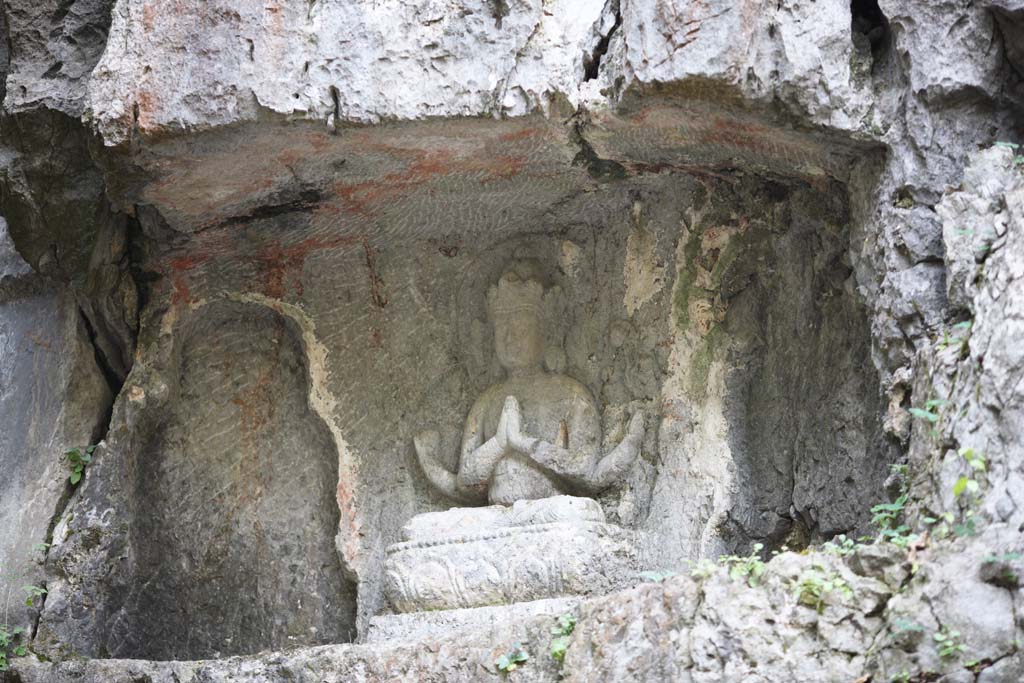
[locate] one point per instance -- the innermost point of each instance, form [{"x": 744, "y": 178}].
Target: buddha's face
[{"x": 519, "y": 339}]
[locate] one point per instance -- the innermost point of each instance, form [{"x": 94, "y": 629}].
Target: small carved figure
[{"x": 536, "y": 434}]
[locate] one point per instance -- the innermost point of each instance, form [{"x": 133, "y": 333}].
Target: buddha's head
[{"x": 516, "y": 305}]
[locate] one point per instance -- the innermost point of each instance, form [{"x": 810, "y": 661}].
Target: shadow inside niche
[{"x": 237, "y": 514}]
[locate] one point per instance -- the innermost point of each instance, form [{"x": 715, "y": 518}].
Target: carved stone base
[
  {"x": 417, "y": 625},
  {"x": 500, "y": 565}
]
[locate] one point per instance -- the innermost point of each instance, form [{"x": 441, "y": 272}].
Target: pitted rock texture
[
  {"x": 239, "y": 501},
  {"x": 878, "y": 623},
  {"x": 52, "y": 397},
  {"x": 757, "y": 211}
]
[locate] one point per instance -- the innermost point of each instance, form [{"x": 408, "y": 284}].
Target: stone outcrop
[{"x": 249, "y": 246}]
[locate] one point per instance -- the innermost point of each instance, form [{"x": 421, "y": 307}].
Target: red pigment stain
[
  {"x": 148, "y": 18},
  {"x": 348, "y": 521},
  {"x": 180, "y": 268},
  {"x": 278, "y": 264},
  {"x": 362, "y": 198},
  {"x": 519, "y": 135}
]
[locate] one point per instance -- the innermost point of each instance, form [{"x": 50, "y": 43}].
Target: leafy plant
[
  {"x": 941, "y": 525},
  {"x": 886, "y": 516},
  {"x": 948, "y": 643},
  {"x": 749, "y": 568},
  {"x": 928, "y": 413},
  {"x": 511, "y": 660},
  {"x": 658, "y": 576},
  {"x": 960, "y": 337},
  {"x": 817, "y": 582},
  {"x": 967, "y": 527},
  {"x": 702, "y": 569},
  {"x": 1003, "y": 557},
  {"x": 1007, "y": 576},
  {"x": 841, "y": 545},
  {"x": 901, "y": 625},
  {"x": 33, "y": 593},
  {"x": 968, "y": 483},
  {"x": 9, "y": 645},
  {"x": 560, "y": 643},
  {"x": 78, "y": 458},
  {"x": 924, "y": 414}
]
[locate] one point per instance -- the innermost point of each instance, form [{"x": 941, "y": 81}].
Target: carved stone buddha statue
[
  {"x": 531, "y": 450},
  {"x": 536, "y": 434}
]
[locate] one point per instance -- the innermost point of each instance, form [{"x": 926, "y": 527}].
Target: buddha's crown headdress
[{"x": 518, "y": 289}]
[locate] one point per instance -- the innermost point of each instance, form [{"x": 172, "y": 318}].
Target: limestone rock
[{"x": 265, "y": 227}]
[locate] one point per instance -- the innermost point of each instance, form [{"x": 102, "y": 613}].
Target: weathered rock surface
[
  {"x": 52, "y": 397},
  {"x": 877, "y": 624},
  {"x": 770, "y": 222}
]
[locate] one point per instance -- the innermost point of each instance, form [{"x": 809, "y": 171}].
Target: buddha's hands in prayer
[{"x": 510, "y": 424}]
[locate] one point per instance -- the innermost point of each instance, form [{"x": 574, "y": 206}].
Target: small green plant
[
  {"x": 948, "y": 643},
  {"x": 1008, "y": 578},
  {"x": 887, "y": 516},
  {"x": 1018, "y": 159},
  {"x": 959, "y": 338},
  {"x": 901, "y": 625},
  {"x": 942, "y": 525},
  {"x": 1003, "y": 557},
  {"x": 749, "y": 568},
  {"x": 901, "y": 470},
  {"x": 967, "y": 490},
  {"x": 511, "y": 660},
  {"x": 817, "y": 582},
  {"x": 968, "y": 483},
  {"x": 560, "y": 643},
  {"x": 901, "y": 677},
  {"x": 929, "y": 412},
  {"x": 841, "y": 546},
  {"x": 702, "y": 569},
  {"x": 33, "y": 593},
  {"x": 78, "y": 458},
  {"x": 967, "y": 527},
  {"x": 9, "y": 645},
  {"x": 658, "y": 576}
]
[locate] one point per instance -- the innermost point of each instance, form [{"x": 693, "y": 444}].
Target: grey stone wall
[
  {"x": 765, "y": 222},
  {"x": 52, "y": 397}
]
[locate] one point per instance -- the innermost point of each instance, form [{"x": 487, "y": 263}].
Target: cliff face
[{"x": 246, "y": 249}]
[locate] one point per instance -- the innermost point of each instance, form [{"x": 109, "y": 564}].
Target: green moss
[
  {"x": 701, "y": 360},
  {"x": 685, "y": 277},
  {"x": 730, "y": 253}
]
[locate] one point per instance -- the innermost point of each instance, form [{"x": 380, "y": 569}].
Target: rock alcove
[
  {"x": 316, "y": 300},
  {"x": 244, "y": 250}
]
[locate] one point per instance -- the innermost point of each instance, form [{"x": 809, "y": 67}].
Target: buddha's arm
[
  {"x": 579, "y": 462},
  {"x": 613, "y": 466},
  {"x": 444, "y": 480},
  {"x": 479, "y": 456}
]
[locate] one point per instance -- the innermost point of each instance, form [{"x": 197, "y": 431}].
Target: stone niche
[
  {"x": 322, "y": 300},
  {"x": 234, "y": 530}
]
